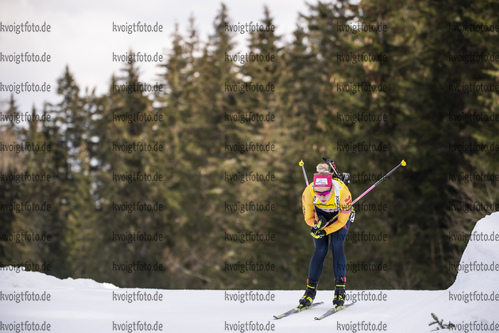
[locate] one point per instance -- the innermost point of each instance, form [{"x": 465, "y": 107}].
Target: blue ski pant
[{"x": 337, "y": 241}]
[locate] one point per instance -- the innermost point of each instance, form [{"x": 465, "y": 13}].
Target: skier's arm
[
  {"x": 307, "y": 202},
  {"x": 344, "y": 212}
]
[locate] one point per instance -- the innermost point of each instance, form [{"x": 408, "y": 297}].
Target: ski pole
[
  {"x": 403, "y": 163},
  {"x": 306, "y": 181},
  {"x": 304, "y": 173}
]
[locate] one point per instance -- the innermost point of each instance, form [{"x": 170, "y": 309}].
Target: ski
[
  {"x": 333, "y": 310},
  {"x": 296, "y": 310}
]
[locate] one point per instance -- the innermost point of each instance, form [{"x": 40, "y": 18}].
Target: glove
[
  {"x": 320, "y": 222},
  {"x": 316, "y": 233}
]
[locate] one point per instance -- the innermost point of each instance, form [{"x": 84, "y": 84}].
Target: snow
[{"x": 83, "y": 305}]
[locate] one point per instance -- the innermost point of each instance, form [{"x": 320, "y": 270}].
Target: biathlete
[{"x": 326, "y": 199}]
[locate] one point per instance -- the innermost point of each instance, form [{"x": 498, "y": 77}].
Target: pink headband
[{"x": 323, "y": 180}]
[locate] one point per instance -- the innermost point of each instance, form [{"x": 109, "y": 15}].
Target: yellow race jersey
[{"x": 340, "y": 202}]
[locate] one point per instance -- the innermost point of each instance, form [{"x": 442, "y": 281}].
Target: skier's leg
[
  {"x": 315, "y": 270},
  {"x": 339, "y": 263}
]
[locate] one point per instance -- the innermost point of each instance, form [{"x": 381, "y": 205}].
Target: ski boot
[
  {"x": 309, "y": 295},
  {"x": 339, "y": 291}
]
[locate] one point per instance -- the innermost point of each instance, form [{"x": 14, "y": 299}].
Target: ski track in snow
[{"x": 83, "y": 305}]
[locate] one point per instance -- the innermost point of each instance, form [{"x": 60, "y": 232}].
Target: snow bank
[
  {"x": 472, "y": 302},
  {"x": 479, "y": 265}
]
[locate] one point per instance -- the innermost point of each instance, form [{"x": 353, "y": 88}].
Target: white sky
[{"x": 81, "y": 36}]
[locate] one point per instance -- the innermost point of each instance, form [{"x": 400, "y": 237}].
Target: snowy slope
[{"x": 83, "y": 305}]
